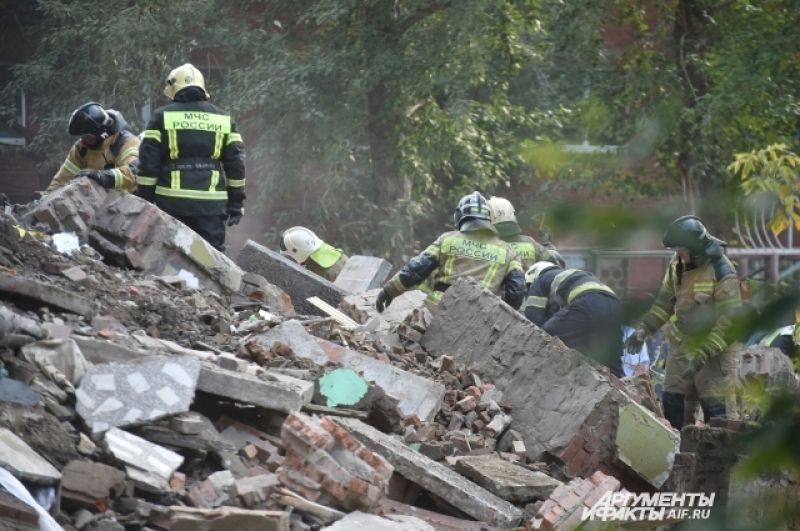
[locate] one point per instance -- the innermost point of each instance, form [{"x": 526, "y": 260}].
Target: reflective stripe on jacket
[
  {"x": 119, "y": 153},
  {"x": 192, "y": 160}
]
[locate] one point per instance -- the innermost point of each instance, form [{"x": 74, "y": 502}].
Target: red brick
[
  {"x": 249, "y": 452},
  {"x": 467, "y": 404},
  {"x": 178, "y": 481}
]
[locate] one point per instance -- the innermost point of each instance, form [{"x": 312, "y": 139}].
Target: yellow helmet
[
  {"x": 299, "y": 243},
  {"x": 184, "y": 76},
  {"x": 502, "y": 210}
]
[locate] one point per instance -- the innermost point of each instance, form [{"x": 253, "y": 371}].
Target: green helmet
[
  {"x": 472, "y": 213},
  {"x": 690, "y": 233}
]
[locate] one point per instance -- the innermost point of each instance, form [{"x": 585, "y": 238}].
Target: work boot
[
  {"x": 712, "y": 407},
  {"x": 673, "y": 408}
]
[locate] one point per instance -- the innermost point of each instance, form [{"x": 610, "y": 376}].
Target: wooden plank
[{"x": 335, "y": 314}]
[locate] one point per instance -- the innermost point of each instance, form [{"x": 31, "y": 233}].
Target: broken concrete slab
[
  {"x": 12, "y": 322},
  {"x": 259, "y": 288},
  {"x": 298, "y": 282},
  {"x": 439, "y": 521},
  {"x": 511, "y": 482},
  {"x": 131, "y": 232},
  {"x": 272, "y": 390},
  {"x": 643, "y": 445},
  {"x": 122, "y": 394},
  {"x": 178, "y": 518},
  {"x": 326, "y": 464},
  {"x": 440, "y": 480},
  {"x": 91, "y": 485},
  {"x": 60, "y": 359},
  {"x": 770, "y": 365},
  {"x": 373, "y": 522},
  {"x": 342, "y": 387},
  {"x": 363, "y": 273},
  {"x": 417, "y": 395},
  {"x": 20, "y": 459},
  {"x": 44, "y": 293},
  {"x": 560, "y": 402},
  {"x": 142, "y": 457}
]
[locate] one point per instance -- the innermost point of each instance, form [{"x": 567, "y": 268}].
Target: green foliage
[{"x": 774, "y": 170}]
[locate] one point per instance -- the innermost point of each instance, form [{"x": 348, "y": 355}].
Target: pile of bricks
[
  {"x": 564, "y": 508},
  {"x": 325, "y": 463}
]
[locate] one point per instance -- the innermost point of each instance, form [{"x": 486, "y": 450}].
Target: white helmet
[
  {"x": 501, "y": 210},
  {"x": 184, "y": 76},
  {"x": 299, "y": 243},
  {"x": 537, "y": 269}
]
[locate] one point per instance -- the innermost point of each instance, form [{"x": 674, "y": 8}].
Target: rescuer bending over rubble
[
  {"x": 193, "y": 159},
  {"x": 307, "y": 249},
  {"x": 579, "y": 309},
  {"x": 106, "y": 152},
  {"x": 474, "y": 250},
  {"x": 699, "y": 296}
]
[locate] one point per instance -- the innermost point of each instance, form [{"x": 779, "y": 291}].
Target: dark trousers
[
  {"x": 211, "y": 228},
  {"x": 592, "y": 324}
]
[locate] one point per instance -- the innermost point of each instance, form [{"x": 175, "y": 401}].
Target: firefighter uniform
[
  {"x": 699, "y": 298},
  {"x": 193, "y": 161},
  {"x": 579, "y": 309},
  {"x": 472, "y": 251},
  {"x": 118, "y": 153},
  {"x": 306, "y": 248},
  {"x": 528, "y": 250}
]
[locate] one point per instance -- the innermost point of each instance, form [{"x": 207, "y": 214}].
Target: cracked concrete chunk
[
  {"x": 435, "y": 477},
  {"x": 272, "y": 391},
  {"x": 417, "y": 395},
  {"x": 297, "y": 281},
  {"x": 507, "y": 480},
  {"x": 121, "y": 394},
  {"x": 362, "y": 273},
  {"x": 20, "y": 459}
]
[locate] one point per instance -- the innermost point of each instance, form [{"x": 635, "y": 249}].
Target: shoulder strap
[{"x": 122, "y": 137}]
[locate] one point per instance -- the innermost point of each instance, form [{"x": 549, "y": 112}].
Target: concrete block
[
  {"x": 769, "y": 365},
  {"x": 257, "y": 287},
  {"x": 91, "y": 485},
  {"x": 254, "y": 490},
  {"x": 561, "y": 403},
  {"x": 373, "y": 522},
  {"x": 417, "y": 395},
  {"x": 20, "y": 459},
  {"x": 142, "y": 457},
  {"x": 272, "y": 391},
  {"x": 180, "y": 518},
  {"x": 121, "y": 394},
  {"x": 440, "y": 480},
  {"x": 511, "y": 482},
  {"x": 363, "y": 273},
  {"x": 298, "y": 282}
]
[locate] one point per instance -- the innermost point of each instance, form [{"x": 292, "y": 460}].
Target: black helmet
[
  {"x": 91, "y": 119},
  {"x": 690, "y": 233},
  {"x": 474, "y": 209}
]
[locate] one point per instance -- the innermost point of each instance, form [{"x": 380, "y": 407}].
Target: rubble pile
[{"x": 144, "y": 392}]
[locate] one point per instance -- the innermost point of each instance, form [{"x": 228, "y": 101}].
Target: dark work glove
[
  {"x": 233, "y": 216},
  {"x": 383, "y": 301},
  {"x": 104, "y": 178}
]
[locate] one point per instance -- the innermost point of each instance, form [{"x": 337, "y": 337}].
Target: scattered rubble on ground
[{"x": 149, "y": 383}]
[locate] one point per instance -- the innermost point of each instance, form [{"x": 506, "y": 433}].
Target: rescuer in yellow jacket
[
  {"x": 105, "y": 152},
  {"x": 474, "y": 250},
  {"x": 528, "y": 250},
  {"x": 193, "y": 159},
  {"x": 699, "y": 297},
  {"x": 307, "y": 249}
]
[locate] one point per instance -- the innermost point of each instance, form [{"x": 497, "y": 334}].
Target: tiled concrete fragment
[
  {"x": 507, "y": 480},
  {"x": 362, "y": 273},
  {"x": 297, "y": 281},
  {"x": 20, "y": 459},
  {"x": 417, "y": 395},
  {"x": 120, "y": 394},
  {"x": 435, "y": 477},
  {"x": 141, "y": 456}
]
